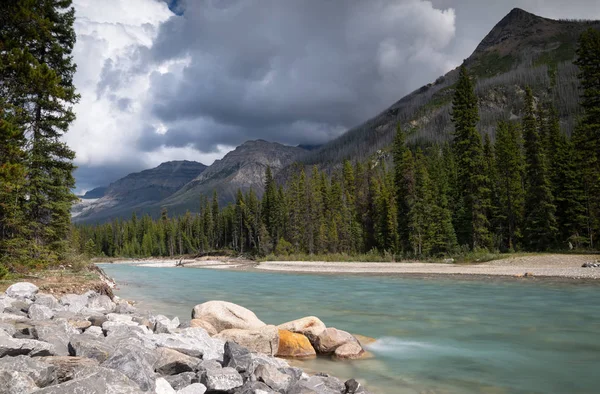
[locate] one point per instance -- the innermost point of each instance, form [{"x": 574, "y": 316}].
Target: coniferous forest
[{"x": 531, "y": 189}]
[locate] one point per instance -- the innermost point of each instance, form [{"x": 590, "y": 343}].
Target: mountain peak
[{"x": 515, "y": 25}]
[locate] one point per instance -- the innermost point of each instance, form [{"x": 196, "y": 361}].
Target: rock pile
[{"x": 91, "y": 343}]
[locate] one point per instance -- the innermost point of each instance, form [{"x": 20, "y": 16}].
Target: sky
[{"x": 168, "y": 80}]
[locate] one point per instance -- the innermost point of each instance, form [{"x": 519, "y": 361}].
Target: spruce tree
[
  {"x": 420, "y": 216},
  {"x": 587, "y": 133},
  {"x": 540, "y": 227},
  {"x": 472, "y": 226},
  {"x": 403, "y": 184}
]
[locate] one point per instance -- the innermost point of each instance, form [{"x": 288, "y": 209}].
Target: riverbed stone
[
  {"x": 322, "y": 384},
  {"x": 47, "y": 300},
  {"x": 273, "y": 378},
  {"x": 164, "y": 325},
  {"x": 42, "y": 373},
  {"x": 331, "y": 339},
  {"x": 40, "y": 312},
  {"x": 130, "y": 361},
  {"x": 172, "y": 362},
  {"x": 67, "y": 366},
  {"x": 162, "y": 386},
  {"x": 223, "y": 315},
  {"x": 85, "y": 345},
  {"x": 263, "y": 340},
  {"x": 12, "y": 318},
  {"x": 15, "y": 347},
  {"x": 194, "y": 342},
  {"x": 354, "y": 387},
  {"x": 22, "y": 290},
  {"x": 210, "y": 329},
  {"x": 194, "y": 388},
  {"x": 310, "y": 326},
  {"x": 124, "y": 307},
  {"x": 55, "y": 333},
  {"x": 96, "y": 380},
  {"x": 349, "y": 351},
  {"x": 5, "y": 302},
  {"x": 182, "y": 380},
  {"x": 294, "y": 345},
  {"x": 79, "y": 324},
  {"x": 94, "y": 331},
  {"x": 223, "y": 379},
  {"x": 74, "y": 302}
]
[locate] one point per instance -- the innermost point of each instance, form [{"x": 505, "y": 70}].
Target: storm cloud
[{"x": 194, "y": 80}]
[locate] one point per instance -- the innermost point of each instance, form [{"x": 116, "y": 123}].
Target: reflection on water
[{"x": 435, "y": 335}]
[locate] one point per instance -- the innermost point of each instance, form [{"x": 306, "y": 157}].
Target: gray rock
[
  {"x": 31, "y": 347},
  {"x": 87, "y": 346},
  {"x": 172, "y": 362},
  {"x": 131, "y": 362},
  {"x": 182, "y": 380},
  {"x": 163, "y": 387},
  {"x": 223, "y": 379},
  {"x": 98, "y": 320},
  {"x": 57, "y": 333},
  {"x": 164, "y": 325},
  {"x": 40, "y": 312},
  {"x": 259, "y": 358},
  {"x": 194, "y": 342},
  {"x": 7, "y": 328},
  {"x": 102, "y": 303},
  {"x": 96, "y": 380},
  {"x": 12, "y": 318},
  {"x": 22, "y": 290},
  {"x": 318, "y": 384},
  {"x": 22, "y": 305},
  {"x": 73, "y": 302},
  {"x": 94, "y": 331},
  {"x": 263, "y": 340},
  {"x": 124, "y": 307},
  {"x": 67, "y": 366},
  {"x": 195, "y": 388},
  {"x": 15, "y": 382},
  {"x": 5, "y": 302},
  {"x": 143, "y": 321},
  {"x": 273, "y": 378},
  {"x": 47, "y": 300},
  {"x": 254, "y": 387},
  {"x": 117, "y": 317},
  {"x": 237, "y": 357},
  {"x": 295, "y": 373},
  {"x": 42, "y": 373},
  {"x": 354, "y": 387}
]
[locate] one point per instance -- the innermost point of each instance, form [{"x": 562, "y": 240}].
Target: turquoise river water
[{"x": 435, "y": 335}]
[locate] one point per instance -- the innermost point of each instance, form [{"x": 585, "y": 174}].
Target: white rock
[
  {"x": 224, "y": 315},
  {"x": 119, "y": 317},
  {"x": 163, "y": 387},
  {"x": 40, "y": 312},
  {"x": 94, "y": 331},
  {"x": 194, "y": 388},
  {"x": 22, "y": 290}
]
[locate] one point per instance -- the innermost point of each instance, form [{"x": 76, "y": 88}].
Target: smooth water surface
[{"x": 440, "y": 335}]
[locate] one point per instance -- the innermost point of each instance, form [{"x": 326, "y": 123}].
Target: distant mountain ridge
[
  {"x": 523, "y": 49},
  {"x": 178, "y": 185}
]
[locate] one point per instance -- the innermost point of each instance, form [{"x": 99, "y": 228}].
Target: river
[{"x": 435, "y": 335}]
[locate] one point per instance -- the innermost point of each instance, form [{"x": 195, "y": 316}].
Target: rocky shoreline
[{"x": 92, "y": 343}]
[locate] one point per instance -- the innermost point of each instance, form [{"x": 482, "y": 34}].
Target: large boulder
[
  {"x": 293, "y": 345},
  {"x": 58, "y": 333},
  {"x": 85, "y": 345},
  {"x": 237, "y": 357},
  {"x": 263, "y": 340},
  {"x": 40, "y": 312},
  {"x": 162, "y": 386},
  {"x": 15, "y": 347},
  {"x": 273, "y": 378},
  {"x": 6, "y": 302},
  {"x": 96, "y": 380},
  {"x": 22, "y": 290},
  {"x": 224, "y": 315},
  {"x": 15, "y": 382},
  {"x": 67, "y": 366},
  {"x": 210, "y": 329},
  {"x": 172, "y": 362},
  {"x": 331, "y": 339},
  {"x": 101, "y": 303},
  {"x": 322, "y": 384},
  {"x": 310, "y": 326},
  {"x": 74, "y": 303},
  {"x": 42, "y": 373},
  {"x": 255, "y": 387},
  {"x": 131, "y": 362}
]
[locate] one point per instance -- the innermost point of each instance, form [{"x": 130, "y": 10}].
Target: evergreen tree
[
  {"x": 420, "y": 215},
  {"x": 472, "y": 226},
  {"x": 540, "y": 221},
  {"x": 404, "y": 185},
  {"x": 587, "y": 134}
]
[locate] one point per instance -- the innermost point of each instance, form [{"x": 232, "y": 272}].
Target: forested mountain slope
[{"x": 521, "y": 50}]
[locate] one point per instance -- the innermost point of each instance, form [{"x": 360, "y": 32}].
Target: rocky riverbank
[{"x": 91, "y": 343}]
